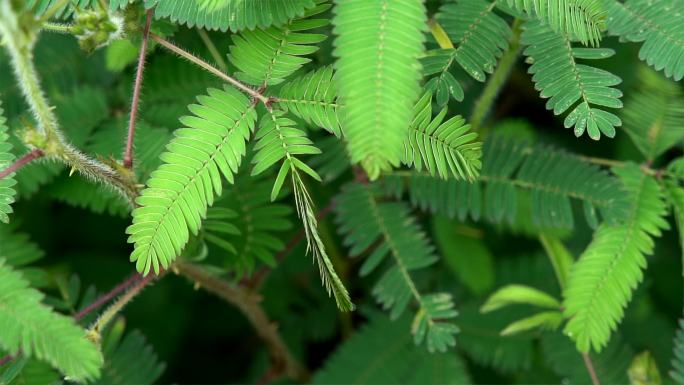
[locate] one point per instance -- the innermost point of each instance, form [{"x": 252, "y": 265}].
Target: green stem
[
  {"x": 103, "y": 320},
  {"x": 19, "y": 40},
  {"x": 57, "y": 27},
  {"x": 484, "y": 103}
]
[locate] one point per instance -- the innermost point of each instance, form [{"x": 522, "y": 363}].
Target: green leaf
[
  {"x": 654, "y": 114},
  {"x": 381, "y": 352},
  {"x": 130, "y": 361},
  {"x": 559, "y": 77},
  {"x": 281, "y": 50},
  {"x": 580, "y": 19},
  {"x": 601, "y": 282},
  {"x": 482, "y": 341},
  {"x": 677, "y": 370},
  {"x": 550, "y": 320},
  {"x": 390, "y": 232},
  {"x": 313, "y": 97},
  {"x": 378, "y": 44},
  {"x": 28, "y": 326},
  {"x": 236, "y": 15},
  {"x": 257, "y": 222},
  {"x": 7, "y": 191},
  {"x": 211, "y": 144},
  {"x": 519, "y": 182},
  {"x": 656, "y": 23},
  {"x": 445, "y": 148},
  {"x": 519, "y": 294}
]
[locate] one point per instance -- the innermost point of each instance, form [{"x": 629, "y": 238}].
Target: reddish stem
[
  {"x": 118, "y": 289},
  {"x": 21, "y": 162},
  {"x": 128, "y": 156}
]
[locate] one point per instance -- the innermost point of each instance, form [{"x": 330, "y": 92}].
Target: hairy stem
[
  {"x": 212, "y": 50},
  {"x": 484, "y": 103},
  {"x": 19, "y": 40},
  {"x": 248, "y": 304},
  {"x": 213, "y": 70},
  {"x": 128, "y": 154},
  {"x": 135, "y": 289},
  {"x": 57, "y": 27},
  {"x": 21, "y": 162}
]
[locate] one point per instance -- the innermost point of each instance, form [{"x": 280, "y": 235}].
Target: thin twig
[
  {"x": 282, "y": 360},
  {"x": 102, "y": 300},
  {"x": 258, "y": 277},
  {"x": 590, "y": 369},
  {"x": 128, "y": 155},
  {"x": 21, "y": 162},
  {"x": 194, "y": 59},
  {"x": 121, "y": 302}
]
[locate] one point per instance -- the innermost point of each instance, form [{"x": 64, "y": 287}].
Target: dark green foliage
[
  {"x": 511, "y": 170},
  {"x": 29, "y": 326},
  {"x": 388, "y": 226},
  {"x": 658, "y": 25},
  {"x": 373, "y": 129},
  {"x": 381, "y": 353},
  {"x": 559, "y": 77},
  {"x": 7, "y": 191}
]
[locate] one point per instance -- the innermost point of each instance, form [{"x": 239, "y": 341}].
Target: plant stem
[
  {"x": 194, "y": 59},
  {"x": 56, "y": 27},
  {"x": 21, "y": 162},
  {"x": 590, "y": 369},
  {"x": 135, "y": 288},
  {"x": 213, "y": 50},
  {"x": 498, "y": 79},
  {"x": 248, "y": 304},
  {"x": 128, "y": 155},
  {"x": 48, "y": 138},
  {"x": 118, "y": 289}
]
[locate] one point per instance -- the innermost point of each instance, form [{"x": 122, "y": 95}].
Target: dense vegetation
[{"x": 359, "y": 191}]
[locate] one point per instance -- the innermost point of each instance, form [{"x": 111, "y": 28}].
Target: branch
[
  {"x": 133, "y": 291},
  {"x": 194, "y": 59},
  {"x": 128, "y": 155},
  {"x": 590, "y": 369},
  {"x": 19, "y": 42},
  {"x": 21, "y": 162},
  {"x": 282, "y": 360}
]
